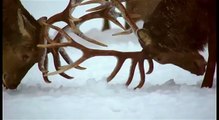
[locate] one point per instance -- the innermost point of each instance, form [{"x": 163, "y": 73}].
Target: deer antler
[{"x": 55, "y": 46}]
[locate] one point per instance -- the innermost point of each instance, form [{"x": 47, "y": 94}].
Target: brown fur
[{"x": 179, "y": 24}]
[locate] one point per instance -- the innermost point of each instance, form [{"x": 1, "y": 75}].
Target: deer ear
[{"x": 24, "y": 25}]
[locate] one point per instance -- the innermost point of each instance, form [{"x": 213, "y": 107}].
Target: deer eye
[
  {"x": 157, "y": 59},
  {"x": 29, "y": 47},
  {"x": 25, "y": 57}
]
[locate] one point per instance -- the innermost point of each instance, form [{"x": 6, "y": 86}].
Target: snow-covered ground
[{"x": 169, "y": 92}]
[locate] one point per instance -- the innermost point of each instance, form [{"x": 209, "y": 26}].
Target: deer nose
[
  {"x": 200, "y": 65},
  {"x": 7, "y": 83}
]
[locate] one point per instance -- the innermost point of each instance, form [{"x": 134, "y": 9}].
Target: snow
[{"x": 168, "y": 93}]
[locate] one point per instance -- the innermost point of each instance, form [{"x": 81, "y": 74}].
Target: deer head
[
  {"x": 20, "y": 37},
  {"x": 191, "y": 60}
]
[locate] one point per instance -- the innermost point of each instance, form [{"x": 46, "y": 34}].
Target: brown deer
[
  {"x": 173, "y": 33},
  {"x": 182, "y": 28}
]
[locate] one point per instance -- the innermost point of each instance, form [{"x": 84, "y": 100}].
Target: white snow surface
[{"x": 169, "y": 92}]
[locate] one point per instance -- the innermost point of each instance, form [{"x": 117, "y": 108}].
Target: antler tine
[
  {"x": 43, "y": 67},
  {"x": 116, "y": 70},
  {"x": 129, "y": 31},
  {"x": 104, "y": 4},
  {"x": 142, "y": 74},
  {"x": 77, "y": 31},
  {"x": 93, "y": 1},
  {"x": 67, "y": 67},
  {"x": 45, "y": 78},
  {"x": 64, "y": 15},
  {"x": 125, "y": 15},
  {"x": 151, "y": 66},
  {"x": 132, "y": 71},
  {"x": 100, "y": 7}
]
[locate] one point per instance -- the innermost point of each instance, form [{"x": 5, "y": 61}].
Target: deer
[{"x": 173, "y": 33}]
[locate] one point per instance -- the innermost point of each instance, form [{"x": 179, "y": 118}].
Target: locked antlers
[{"x": 55, "y": 46}]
